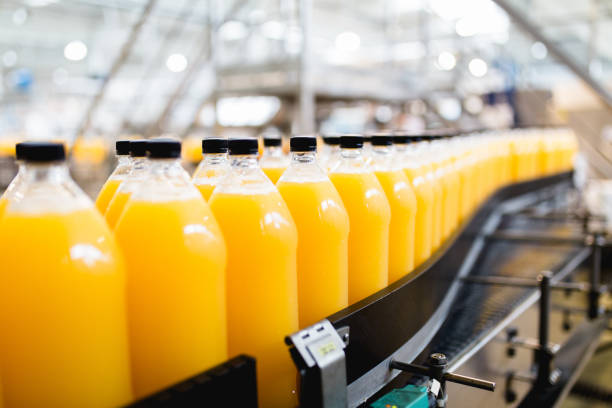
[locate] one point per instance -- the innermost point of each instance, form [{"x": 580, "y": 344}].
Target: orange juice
[
  {"x": 176, "y": 290},
  {"x": 131, "y": 183},
  {"x": 175, "y": 258},
  {"x": 116, "y": 207},
  {"x": 62, "y": 311},
  {"x": 71, "y": 342},
  {"x": 273, "y": 162},
  {"x": 116, "y": 178},
  {"x": 402, "y": 202},
  {"x": 274, "y": 173},
  {"x": 323, "y": 228},
  {"x": 423, "y": 190},
  {"x": 369, "y": 215},
  {"x": 213, "y": 167},
  {"x": 450, "y": 197},
  {"x": 261, "y": 241},
  {"x": 107, "y": 192}
]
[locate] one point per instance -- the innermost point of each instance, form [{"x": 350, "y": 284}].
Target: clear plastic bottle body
[
  {"x": 12, "y": 187},
  {"x": 175, "y": 258},
  {"x": 323, "y": 228},
  {"x": 261, "y": 240},
  {"x": 63, "y": 310},
  {"x": 273, "y": 162},
  {"x": 133, "y": 180},
  {"x": 113, "y": 182},
  {"x": 369, "y": 217},
  {"x": 403, "y": 204},
  {"x": 211, "y": 170}
]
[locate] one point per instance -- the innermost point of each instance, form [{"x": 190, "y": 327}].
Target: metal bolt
[{"x": 438, "y": 359}]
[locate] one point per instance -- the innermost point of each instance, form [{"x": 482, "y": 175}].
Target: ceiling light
[
  {"x": 233, "y": 30},
  {"x": 176, "y": 62},
  {"x": 9, "y": 58},
  {"x": 75, "y": 50},
  {"x": 478, "y": 67},
  {"x": 538, "y": 50},
  {"x": 348, "y": 41},
  {"x": 446, "y": 61},
  {"x": 20, "y": 16},
  {"x": 274, "y": 30}
]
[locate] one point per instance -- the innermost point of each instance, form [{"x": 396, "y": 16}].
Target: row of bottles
[{"x": 187, "y": 271}]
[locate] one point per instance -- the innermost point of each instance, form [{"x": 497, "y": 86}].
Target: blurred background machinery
[{"x": 88, "y": 71}]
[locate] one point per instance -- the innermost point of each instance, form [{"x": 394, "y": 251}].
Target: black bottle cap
[
  {"x": 401, "y": 139},
  {"x": 122, "y": 147},
  {"x": 303, "y": 144},
  {"x": 214, "y": 146},
  {"x": 351, "y": 141},
  {"x": 40, "y": 151},
  {"x": 331, "y": 140},
  {"x": 164, "y": 149},
  {"x": 272, "y": 141},
  {"x": 243, "y": 146},
  {"x": 138, "y": 148},
  {"x": 382, "y": 140}
]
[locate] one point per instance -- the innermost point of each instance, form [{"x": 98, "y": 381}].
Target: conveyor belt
[{"x": 478, "y": 308}]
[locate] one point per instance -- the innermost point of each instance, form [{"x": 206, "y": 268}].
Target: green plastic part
[{"x": 411, "y": 396}]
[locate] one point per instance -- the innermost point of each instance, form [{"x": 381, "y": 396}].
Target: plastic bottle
[
  {"x": 15, "y": 182},
  {"x": 402, "y": 201},
  {"x": 330, "y": 153},
  {"x": 138, "y": 153},
  {"x": 124, "y": 165},
  {"x": 62, "y": 293},
  {"x": 213, "y": 167},
  {"x": 175, "y": 257},
  {"x": 369, "y": 216},
  {"x": 261, "y": 241},
  {"x": 273, "y": 162},
  {"x": 430, "y": 164},
  {"x": 415, "y": 171},
  {"x": 323, "y": 228}
]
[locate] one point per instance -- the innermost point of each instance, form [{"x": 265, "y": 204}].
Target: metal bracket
[{"x": 318, "y": 352}]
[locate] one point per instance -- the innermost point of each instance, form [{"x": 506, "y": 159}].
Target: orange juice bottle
[
  {"x": 402, "y": 201},
  {"x": 175, "y": 259},
  {"x": 64, "y": 338},
  {"x": 410, "y": 161},
  {"x": 273, "y": 162},
  {"x": 117, "y": 177},
  {"x": 449, "y": 178},
  {"x": 369, "y": 215},
  {"x": 261, "y": 239},
  {"x": 138, "y": 153},
  {"x": 213, "y": 167},
  {"x": 330, "y": 156},
  {"x": 323, "y": 228},
  {"x": 16, "y": 181},
  {"x": 429, "y": 164},
  {"x": 329, "y": 153}
]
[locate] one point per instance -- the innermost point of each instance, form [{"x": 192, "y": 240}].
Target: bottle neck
[
  {"x": 244, "y": 161},
  {"x": 302, "y": 158},
  {"x": 215, "y": 159},
  {"x": 165, "y": 166},
  {"x": 351, "y": 153},
  {"x": 273, "y": 151},
  {"x": 382, "y": 150},
  {"x": 52, "y": 172},
  {"x": 124, "y": 160}
]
